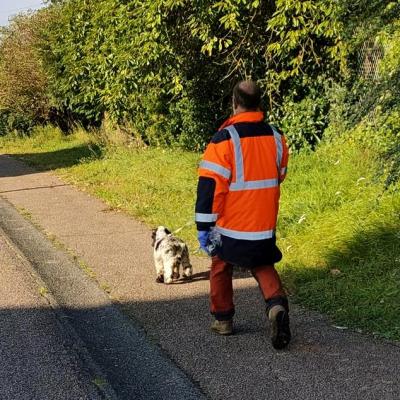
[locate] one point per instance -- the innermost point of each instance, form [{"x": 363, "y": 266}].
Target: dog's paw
[
  {"x": 160, "y": 279},
  {"x": 168, "y": 280},
  {"x": 187, "y": 273},
  {"x": 175, "y": 275},
  {"x": 187, "y": 277}
]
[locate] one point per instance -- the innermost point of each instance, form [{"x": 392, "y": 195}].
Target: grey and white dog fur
[{"x": 170, "y": 253}]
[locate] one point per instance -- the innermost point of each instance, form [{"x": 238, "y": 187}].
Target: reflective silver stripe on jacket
[
  {"x": 238, "y": 153},
  {"x": 279, "y": 148},
  {"x": 200, "y": 217},
  {"x": 218, "y": 169},
  {"x": 246, "y": 235},
  {"x": 253, "y": 185},
  {"x": 240, "y": 183}
]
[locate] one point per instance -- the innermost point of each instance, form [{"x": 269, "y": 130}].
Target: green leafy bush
[
  {"x": 166, "y": 68},
  {"x": 305, "y": 120},
  {"x": 14, "y": 122},
  {"x": 24, "y": 96},
  {"x": 374, "y": 104}
]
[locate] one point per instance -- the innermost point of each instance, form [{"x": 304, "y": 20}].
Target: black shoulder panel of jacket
[
  {"x": 220, "y": 136},
  {"x": 245, "y": 129},
  {"x": 205, "y": 199},
  {"x": 253, "y": 129}
]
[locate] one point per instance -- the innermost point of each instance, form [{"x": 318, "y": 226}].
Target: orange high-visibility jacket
[{"x": 238, "y": 190}]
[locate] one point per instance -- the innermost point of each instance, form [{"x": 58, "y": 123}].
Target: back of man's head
[{"x": 247, "y": 95}]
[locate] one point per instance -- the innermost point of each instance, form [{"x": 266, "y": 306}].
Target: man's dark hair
[{"x": 247, "y": 94}]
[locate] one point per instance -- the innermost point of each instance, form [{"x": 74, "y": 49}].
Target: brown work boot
[
  {"x": 222, "y": 327},
  {"x": 280, "y": 329}
]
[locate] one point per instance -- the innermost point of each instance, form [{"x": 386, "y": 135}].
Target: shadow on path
[
  {"x": 320, "y": 363},
  {"x": 46, "y": 161}
]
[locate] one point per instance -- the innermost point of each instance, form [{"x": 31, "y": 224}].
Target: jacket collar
[{"x": 248, "y": 116}]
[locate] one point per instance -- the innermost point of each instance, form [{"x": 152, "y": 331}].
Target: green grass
[{"x": 338, "y": 230}]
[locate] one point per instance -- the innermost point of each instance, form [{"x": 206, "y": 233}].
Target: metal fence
[{"x": 368, "y": 60}]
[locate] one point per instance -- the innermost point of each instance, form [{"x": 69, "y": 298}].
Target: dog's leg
[
  {"x": 159, "y": 270},
  {"x": 186, "y": 266},
  {"x": 175, "y": 271},
  {"x": 187, "y": 271},
  {"x": 169, "y": 270}
]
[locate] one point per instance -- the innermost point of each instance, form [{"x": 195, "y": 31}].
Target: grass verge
[{"x": 338, "y": 230}]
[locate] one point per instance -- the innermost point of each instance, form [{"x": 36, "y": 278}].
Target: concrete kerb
[{"x": 119, "y": 349}]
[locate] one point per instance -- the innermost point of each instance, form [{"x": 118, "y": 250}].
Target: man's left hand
[{"x": 203, "y": 238}]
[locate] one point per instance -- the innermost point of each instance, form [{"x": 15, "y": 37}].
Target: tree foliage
[
  {"x": 24, "y": 98},
  {"x": 166, "y": 68}
]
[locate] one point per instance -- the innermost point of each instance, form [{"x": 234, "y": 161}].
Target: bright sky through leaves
[{"x": 8, "y": 8}]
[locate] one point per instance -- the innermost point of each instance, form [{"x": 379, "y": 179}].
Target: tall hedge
[
  {"x": 166, "y": 68},
  {"x": 24, "y": 96}
]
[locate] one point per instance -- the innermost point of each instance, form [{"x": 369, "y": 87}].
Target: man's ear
[{"x": 234, "y": 104}]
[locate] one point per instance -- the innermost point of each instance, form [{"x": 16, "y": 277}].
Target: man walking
[{"x": 237, "y": 207}]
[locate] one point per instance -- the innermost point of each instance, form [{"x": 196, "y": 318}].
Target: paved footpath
[{"x": 322, "y": 362}]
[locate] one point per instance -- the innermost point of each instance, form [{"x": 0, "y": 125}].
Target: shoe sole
[
  {"x": 226, "y": 333},
  {"x": 223, "y": 333},
  {"x": 280, "y": 331}
]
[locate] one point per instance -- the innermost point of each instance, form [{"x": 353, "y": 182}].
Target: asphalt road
[{"x": 38, "y": 359}]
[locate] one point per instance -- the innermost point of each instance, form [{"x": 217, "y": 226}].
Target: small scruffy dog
[{"x": 169, "y": 253}]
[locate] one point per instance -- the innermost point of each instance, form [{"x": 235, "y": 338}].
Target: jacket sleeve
[
  {"x": 284, "y": 161},
  {"x": 213, "y": 184}
]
